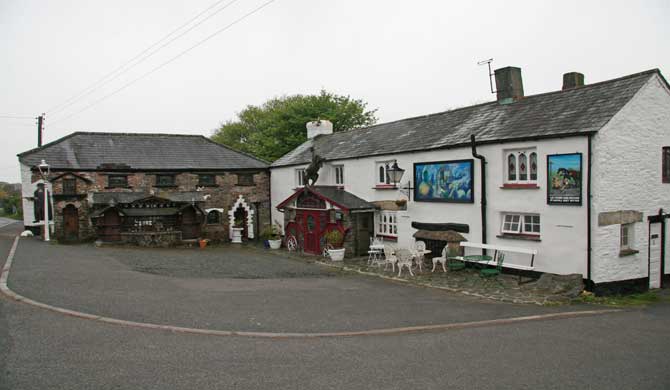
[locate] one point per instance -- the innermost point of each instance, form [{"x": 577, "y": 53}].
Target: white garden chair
[
  {"x": 404, "y": 257},
  {"x": 442, "y": 260},
  {"x": 389, "y": 257},
  {"x": 419, "y": 248}
]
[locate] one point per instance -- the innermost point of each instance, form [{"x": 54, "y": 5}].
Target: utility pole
[{"x": 40, "y": 128}]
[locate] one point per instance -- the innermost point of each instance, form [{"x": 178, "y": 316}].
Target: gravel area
[{"x": 223, "y": 261}]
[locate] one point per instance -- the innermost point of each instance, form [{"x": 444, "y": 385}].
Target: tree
[{"x": 278, "y": 126}]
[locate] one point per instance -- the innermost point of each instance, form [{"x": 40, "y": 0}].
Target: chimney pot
[
  {"x": 509, "y": 85},
  {"x": 319, "y": 127},
  {"x": 573, "y": 80}
]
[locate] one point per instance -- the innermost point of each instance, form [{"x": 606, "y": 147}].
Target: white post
[{"x": 46, "y": 212}]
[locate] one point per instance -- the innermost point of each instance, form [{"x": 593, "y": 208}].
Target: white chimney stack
[{"x": 319, "y": 127}]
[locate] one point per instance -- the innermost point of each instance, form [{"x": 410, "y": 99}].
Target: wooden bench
[{"x": 498, "y": 248}]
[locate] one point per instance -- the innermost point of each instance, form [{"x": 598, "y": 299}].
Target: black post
[{"x": 40, "y": 123}]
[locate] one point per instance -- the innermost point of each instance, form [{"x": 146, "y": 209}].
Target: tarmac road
[{"x": 40, "y": 349}]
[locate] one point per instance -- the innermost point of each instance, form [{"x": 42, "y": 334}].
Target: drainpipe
[
  {"x": 483, "y": 187},
  {"x": 588, "y": 217}
]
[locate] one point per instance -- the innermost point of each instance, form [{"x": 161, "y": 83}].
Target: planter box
[
  {"x": 336, "y": 254},
  {"x": 274, "y": 244}
]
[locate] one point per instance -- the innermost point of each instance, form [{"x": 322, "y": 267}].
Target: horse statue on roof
[{"x": 312, "y": 171}]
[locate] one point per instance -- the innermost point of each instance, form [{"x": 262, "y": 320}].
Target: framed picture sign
[
  {"x": 564, "y": 179},
  {"x": 444, "y": 181}
]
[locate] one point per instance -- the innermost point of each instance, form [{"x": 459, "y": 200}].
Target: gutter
[{"x": 483, "y": 187}]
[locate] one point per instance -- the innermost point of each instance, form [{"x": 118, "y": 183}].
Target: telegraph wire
[
  {"x": 16, "y": 117},
  {"x": 217, "y": 32},
  {"x": 113, "y": 75}
]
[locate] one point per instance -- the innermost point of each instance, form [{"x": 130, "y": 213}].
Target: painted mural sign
[
  {"x": 564, "y": 175},
  {"x": 444, "y": 181}
]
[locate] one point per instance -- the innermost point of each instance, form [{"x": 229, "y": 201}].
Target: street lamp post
[{"x": 44, "y": 172}]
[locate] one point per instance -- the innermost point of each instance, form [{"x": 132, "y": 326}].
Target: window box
[
  {"x": 523, "y": 237},
  {"x": 530, "y": 186},
  {"x": 385, "y": 187}
]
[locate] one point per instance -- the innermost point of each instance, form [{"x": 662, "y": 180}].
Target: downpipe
[{"x": 483, "y": 187}]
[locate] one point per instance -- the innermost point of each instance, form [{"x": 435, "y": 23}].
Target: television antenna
[{"x": 491, "y": 74}]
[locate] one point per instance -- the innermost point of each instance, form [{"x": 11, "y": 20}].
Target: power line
[
  {"x": 16, "y": 117},
  {"x": 113, "y": 75},
  {"x": 167, "y": 62}
]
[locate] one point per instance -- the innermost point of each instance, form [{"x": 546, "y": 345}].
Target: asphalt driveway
[{"x": 234, "y": 288}]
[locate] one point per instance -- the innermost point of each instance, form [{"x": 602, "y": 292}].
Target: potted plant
[
  {"x": 272, "y": 235},
  {"x": 335, "y": 239}
]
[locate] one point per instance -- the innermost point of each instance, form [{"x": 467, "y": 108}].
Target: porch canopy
[{"x": 335, "y": 197}]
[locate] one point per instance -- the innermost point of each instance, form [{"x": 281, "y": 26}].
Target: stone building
[
  {"x": 149, "y": 189},
  {"x": 580, "y": 175}
]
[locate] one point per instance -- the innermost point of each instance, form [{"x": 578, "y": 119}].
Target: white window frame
[
  {"x": 626, "y": 232},
  {"x": 300, "y": 180},
  {"x": 384, "y": 165},
  {"x": 509, "y": 220},
  {"x": 517, "y": 153},
  {"x": 387, "y": 223},
  {"x": 339, "y": 174}
]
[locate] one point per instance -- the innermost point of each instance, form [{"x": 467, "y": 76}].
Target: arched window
[
  {"x": 523, "y": 167},
  {"x": 533, "y": 166},
  {"x": 213, "y": 217},
  {"x": 382, "y": 174},
  {"x": 511, "y": 167}
]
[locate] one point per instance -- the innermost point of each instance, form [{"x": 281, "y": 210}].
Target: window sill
[
  {"x": 389, "y": 238},
  {"x": 166, "y": 186},
  {"x": 111, "y": 188},
  {"x": 520, "y": 186},
  {"x": 385, "y": 187},
  {"x": 207, "y": 185},
  {"x": 523, "y": 237},
  {"x": 628, "y": 252}
]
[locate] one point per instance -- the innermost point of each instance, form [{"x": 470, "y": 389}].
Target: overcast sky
[{"x": 405, "y": 58}]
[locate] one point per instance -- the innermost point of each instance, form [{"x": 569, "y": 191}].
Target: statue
[{"x": 312, "y": 171}]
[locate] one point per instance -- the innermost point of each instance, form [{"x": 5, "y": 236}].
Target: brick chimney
[
  {"x": 509, "y": 85},
  {"x": 573, "y": 80},
  {"x": 319, "y": 127}
]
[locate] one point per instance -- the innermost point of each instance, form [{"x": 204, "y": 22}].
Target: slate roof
[
  {"x": 88, "y": 151},
  {"x": 336, "y": 195},
  {"x": 584, "y": 109}
]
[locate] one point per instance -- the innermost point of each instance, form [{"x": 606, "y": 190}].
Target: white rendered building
[{"x": 582, "y": 175}]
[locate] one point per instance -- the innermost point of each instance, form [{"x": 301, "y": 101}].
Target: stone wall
[{"x": 220, "y": 196}]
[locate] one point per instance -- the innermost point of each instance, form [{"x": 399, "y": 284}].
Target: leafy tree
[{"x": 278, "y": 126}]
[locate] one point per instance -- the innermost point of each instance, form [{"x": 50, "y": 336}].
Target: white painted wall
[
  {"x": 563, "y": 228},
  {"x": 627, "y": 159}
]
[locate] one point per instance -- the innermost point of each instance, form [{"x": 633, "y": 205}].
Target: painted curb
[{"x": 273, "y": 335}]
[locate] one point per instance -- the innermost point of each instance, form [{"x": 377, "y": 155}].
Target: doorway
[
  {"x": 656, "y": 243},
  {"x": 311, "y": 225},
  {"x": 190, "y": 224},
  {"x": 70, "y": 223}
]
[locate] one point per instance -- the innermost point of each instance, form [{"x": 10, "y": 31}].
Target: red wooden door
[{"x": 312, "y": 231}]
